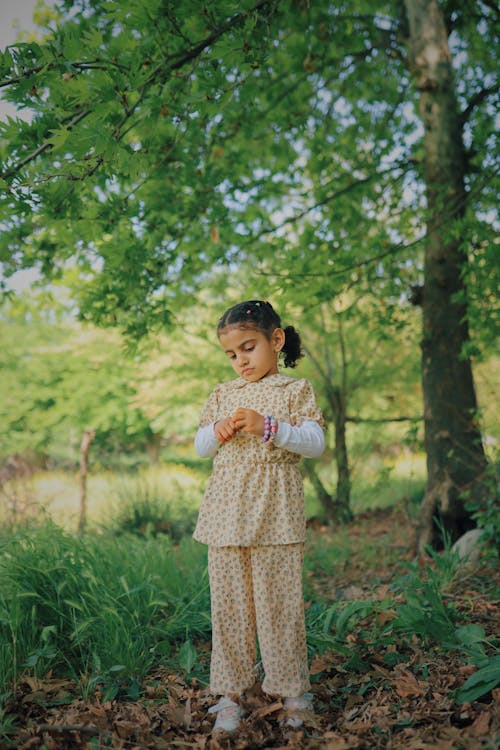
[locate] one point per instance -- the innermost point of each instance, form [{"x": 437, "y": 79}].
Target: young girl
[{"x": 252, "y": 516}]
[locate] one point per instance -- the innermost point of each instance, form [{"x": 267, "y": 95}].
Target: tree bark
[
  {"x": 153, "y": 447},
  {"x": 87, "y": 439},
  {"x": 455, "y": 457},
  {"x": 337, "y": 401},
  {"x": 326, "y": 500},
  {"x": 344, "y": 476}
]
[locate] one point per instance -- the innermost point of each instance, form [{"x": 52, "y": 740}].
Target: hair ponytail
[{"x": 292, "y": 349}]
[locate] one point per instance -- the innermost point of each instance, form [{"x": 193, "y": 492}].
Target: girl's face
[{"x": 252, "y": 354}]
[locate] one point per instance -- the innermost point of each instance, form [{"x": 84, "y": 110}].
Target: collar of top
[{"x": 275, "y": 380}]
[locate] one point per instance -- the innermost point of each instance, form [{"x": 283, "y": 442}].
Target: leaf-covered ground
[{"x": 408, "y": 706}]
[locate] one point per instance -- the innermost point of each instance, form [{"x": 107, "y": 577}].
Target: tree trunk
[
  {"x": 87, "y": 438},
  {"x": 455, "y": 457},
  {"x": 326, "y": 500},
  {"x": 337, "y": 401},
  {"x": 334, "y": 512},
  {"x": 343, "y": 478},
  {"x": 153, "y": 447},
  {"x": 340, "y": 419}
]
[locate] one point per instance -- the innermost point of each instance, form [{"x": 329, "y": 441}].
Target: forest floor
[{"x": 406, "y": 706}]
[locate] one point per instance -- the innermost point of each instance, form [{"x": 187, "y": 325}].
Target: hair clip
[{"x": 248, "y": 312}]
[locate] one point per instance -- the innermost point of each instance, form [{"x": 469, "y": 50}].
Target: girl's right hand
[{"x": 225, "y": 429}]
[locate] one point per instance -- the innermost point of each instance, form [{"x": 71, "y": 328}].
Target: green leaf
[
  {"x": 187, "y": 656},
  {"x": 360, "y": 608},
  {"x": 110, "y": 692},
  {"x": 469, "y": 634},
  {"x": 480, "y": 683},
  {"x": 47, "y": 631}
]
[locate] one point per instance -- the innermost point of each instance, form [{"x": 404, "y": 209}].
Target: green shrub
[{"x": 145, "y": 511}]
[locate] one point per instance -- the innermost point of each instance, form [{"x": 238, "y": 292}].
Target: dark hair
[{"x": 262, "y": 316}]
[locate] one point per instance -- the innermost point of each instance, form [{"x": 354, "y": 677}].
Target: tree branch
[
  {"x": 392, "y": 250},
  {"x": 183, "y": 57},
  {"x": 317, "y": 364},
  {"x": 328, "y": 199},
  {"x": 79, "y": 65},
  {"x": 492, "y": 6},
  {"x": 343, "y": 354},
  {"x": 43, "y": 147},
  {"x": 476, "y": 100},
  {"x": 382, "y": 420}
]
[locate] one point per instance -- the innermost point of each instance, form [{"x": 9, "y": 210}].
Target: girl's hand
[
  {"x": 249, "y": 421},
  {"x": 225, "y": 429}
]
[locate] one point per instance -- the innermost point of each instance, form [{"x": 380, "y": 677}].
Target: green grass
[
  {"x": 125, "y": 597},
  {"x": 93, "y": 607}
]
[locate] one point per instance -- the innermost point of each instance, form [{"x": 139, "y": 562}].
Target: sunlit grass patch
[
  {"x": 56, "y": 494},
  {"x": 386, "y": 482},
  {"x": 380, "y": 482}
]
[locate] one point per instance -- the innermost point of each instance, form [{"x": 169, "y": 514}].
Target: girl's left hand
[{"x": 249, "y": 421}]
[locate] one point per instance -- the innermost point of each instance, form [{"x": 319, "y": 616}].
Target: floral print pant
[{"x": 257, "y": 591}]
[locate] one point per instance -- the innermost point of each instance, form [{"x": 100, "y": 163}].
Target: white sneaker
[
  {"x": 228, "y": 713},
  {"x": 295, "y": 708}
]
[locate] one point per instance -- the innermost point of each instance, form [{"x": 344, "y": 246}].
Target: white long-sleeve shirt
[{"x": 308, "y": 440}]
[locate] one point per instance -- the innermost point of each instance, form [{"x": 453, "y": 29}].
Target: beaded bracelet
[{"x": 270, "y": 429}]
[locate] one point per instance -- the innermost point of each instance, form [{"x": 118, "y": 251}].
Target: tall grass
[{"x": 94, "y": 606}]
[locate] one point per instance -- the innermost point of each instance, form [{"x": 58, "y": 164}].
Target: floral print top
[{"x": 255, "y": 494}]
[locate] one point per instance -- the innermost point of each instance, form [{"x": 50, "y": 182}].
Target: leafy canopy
[{"x": 172, "y": 140}]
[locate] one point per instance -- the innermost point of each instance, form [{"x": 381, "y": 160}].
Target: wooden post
[{"x": 87, "y": 438}]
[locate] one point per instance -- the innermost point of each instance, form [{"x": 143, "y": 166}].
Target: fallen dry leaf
[
  {"x": 408, "y": 686},
  {"x": 335, "y": 741},
  {"x": 481, "y": 724},
  {"x": 266, "y": 710},
  {"x": 319, "y": 664}
]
